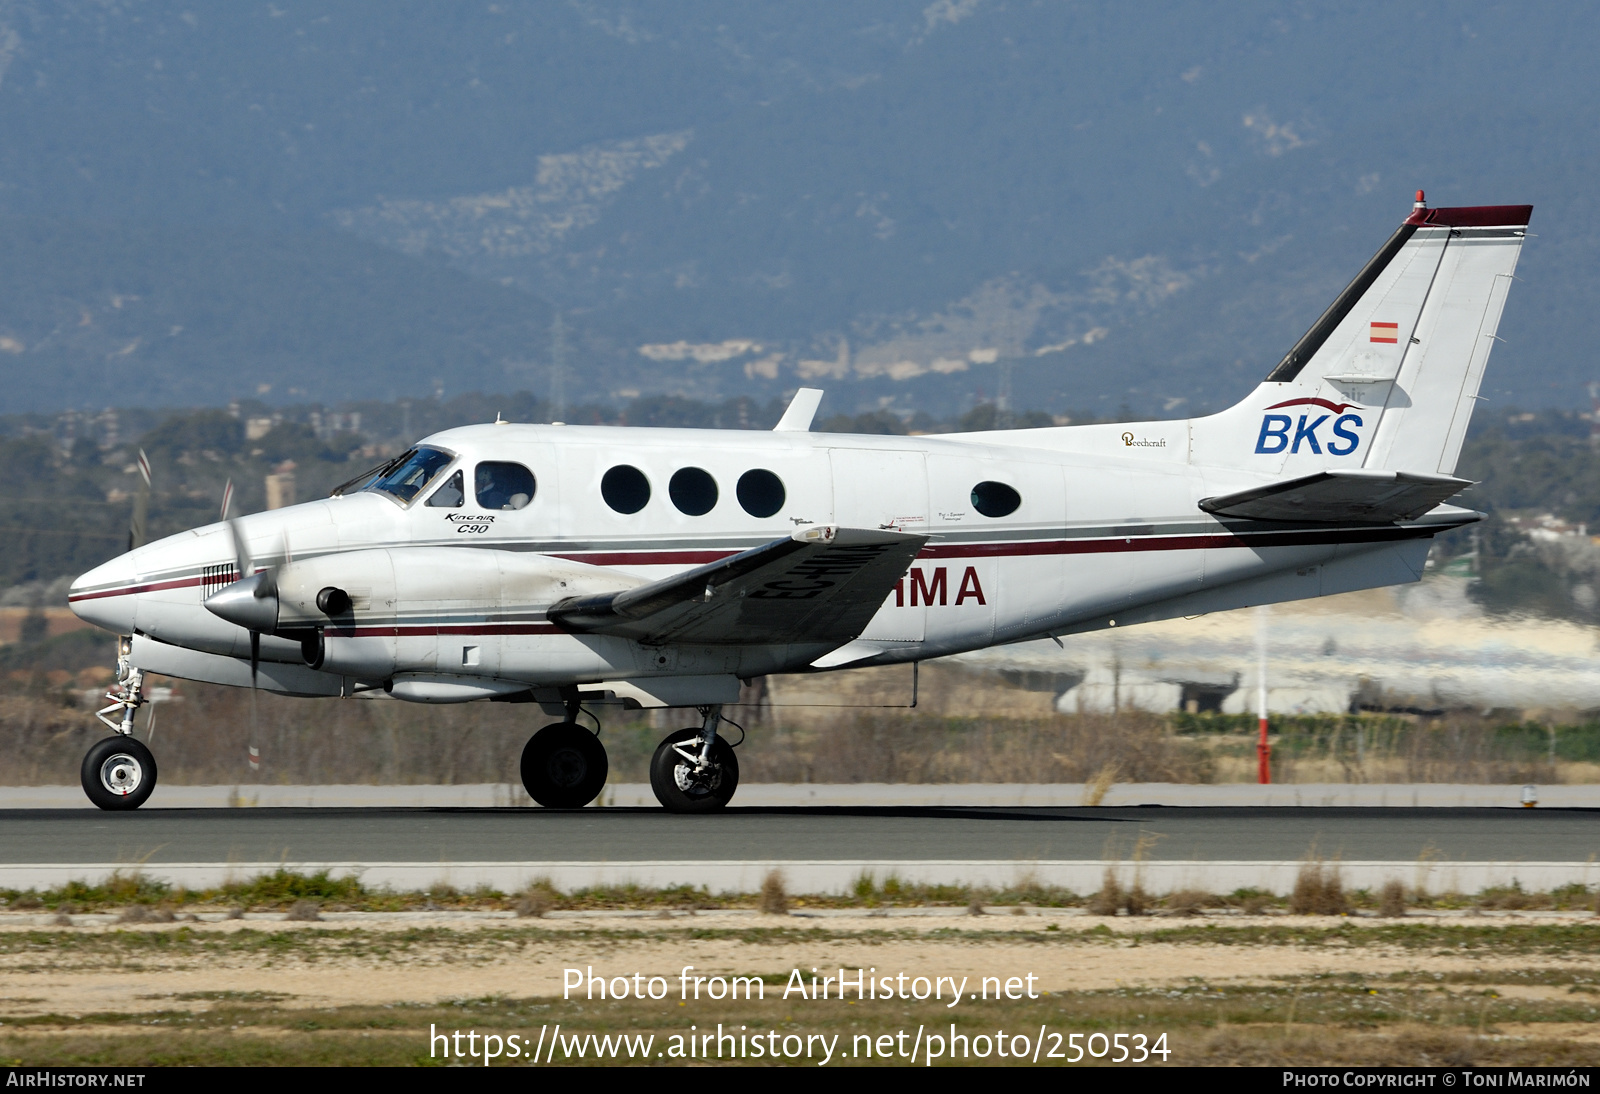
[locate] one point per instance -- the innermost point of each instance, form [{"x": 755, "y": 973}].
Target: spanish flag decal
[{"x": 1386, "y": 332}]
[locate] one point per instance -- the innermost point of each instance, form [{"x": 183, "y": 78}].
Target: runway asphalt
[{"x": 908, "y": 834}]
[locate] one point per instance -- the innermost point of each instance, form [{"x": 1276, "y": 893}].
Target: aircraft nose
[{"x": 104, "y": 596}]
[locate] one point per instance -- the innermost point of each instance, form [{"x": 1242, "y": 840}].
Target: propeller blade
[
  {"x": 255, "y": 656},
  {"x": 241, "y": 551},
  {"x": 251, "y": 600},
  {"x": 141, "y": 504}
]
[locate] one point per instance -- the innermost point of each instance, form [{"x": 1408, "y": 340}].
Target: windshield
[{"x": 406, "y": 477}]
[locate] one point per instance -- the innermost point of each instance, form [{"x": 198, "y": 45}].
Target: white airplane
[{"x": 570, "y": 566}]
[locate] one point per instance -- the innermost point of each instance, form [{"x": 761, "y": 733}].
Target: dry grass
[
  {"x": 1512, "y": 898},
  {"x": 46, "y": 723},
  {"x": 774, "y": 899},
  {"x": 919, "y": 748},
  {"x": 1392, "y": 900},
  {"x": 1343, "y": 1021},
  {"x": 1187, "y": 902},
  {"x": 1094, "y": 791},
  {"x": 304, "y": 911},
  {"x": 1318, "y": 890},
  {"x": 44, "y": 730},
  {"x": 1114, "y": 897},
  {"x": 535, "y": 902}
]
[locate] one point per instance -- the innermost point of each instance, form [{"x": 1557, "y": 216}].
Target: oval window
[
  {"x": 625, "y": 488},
  {"x": 502, "y": 485},
  {"x": 693, "y": 491},
  {"x": 760, "y": 492},
  {"x": 995, "y": 499}
]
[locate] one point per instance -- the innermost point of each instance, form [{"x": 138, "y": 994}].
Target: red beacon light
[{"x": 1422, "y": 202}]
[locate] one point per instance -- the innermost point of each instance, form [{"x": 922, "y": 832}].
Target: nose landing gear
[
  {"x": 119, "y": 772},
  {"x": 694, "y": 770}
]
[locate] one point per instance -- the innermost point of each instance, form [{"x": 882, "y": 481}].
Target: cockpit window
[
  {"x": 448, "y": 496},
  {"x": 503, "y": 485},
  {"x": 410, "y": 473}
]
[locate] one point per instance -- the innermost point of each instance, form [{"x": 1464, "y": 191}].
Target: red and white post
[{"x": 1263, "y": 749}]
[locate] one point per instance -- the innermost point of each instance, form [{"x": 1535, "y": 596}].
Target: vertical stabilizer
[{"x": 1387, "y": 376}]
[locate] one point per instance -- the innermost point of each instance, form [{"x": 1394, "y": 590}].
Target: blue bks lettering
[
  {"x": 1275, "y": 434},
  {"x": 934, "y": 588}
]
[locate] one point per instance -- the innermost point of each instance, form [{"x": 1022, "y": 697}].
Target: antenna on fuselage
[{"x": 802, "y": 408}]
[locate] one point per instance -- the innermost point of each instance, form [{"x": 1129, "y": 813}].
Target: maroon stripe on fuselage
[
  {"x": 1105, "y": 545},
  {"x": 133, "y": 590},
  {"x": 648, "y": 558}
]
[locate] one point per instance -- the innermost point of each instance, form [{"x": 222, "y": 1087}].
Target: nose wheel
[
  {"x": 118, "y": 773},
  {"x": 564, "y": 766}
]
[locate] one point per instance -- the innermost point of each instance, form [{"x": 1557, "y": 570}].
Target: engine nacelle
[{"x": 369, "y": 607}]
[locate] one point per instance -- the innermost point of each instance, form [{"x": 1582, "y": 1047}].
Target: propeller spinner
[{"x": 252, "y": 601}]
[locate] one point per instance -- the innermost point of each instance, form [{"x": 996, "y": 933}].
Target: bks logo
[{"x": 1275, "y": 429}]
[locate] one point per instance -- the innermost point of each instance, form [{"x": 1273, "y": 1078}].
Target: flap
[
  {"x": 1353, "y": 494},
  {"x": 823, "y": 584}
]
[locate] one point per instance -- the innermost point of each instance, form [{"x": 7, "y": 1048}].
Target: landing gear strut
[
  {"x": 564, "y": 766},
  {"x": 119, "y": 772},
  {"x": 694, "y": 770}
]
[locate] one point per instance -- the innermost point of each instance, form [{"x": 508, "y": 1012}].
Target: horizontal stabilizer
[
  {"x": 821, "y": 585},
  {"x": 1348, "y": 494}
]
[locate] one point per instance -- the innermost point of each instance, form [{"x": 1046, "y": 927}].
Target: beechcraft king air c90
[{"x": 567, "y": 566}]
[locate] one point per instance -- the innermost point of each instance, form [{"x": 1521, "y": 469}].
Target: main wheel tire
[
  {"x": 680, "y": 789},
  {"x": 564, "y": 766},
  {"x": 118, "y": 773}
]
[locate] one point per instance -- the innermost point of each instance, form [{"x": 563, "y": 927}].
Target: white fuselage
[{"x": 1105, "y": 534}]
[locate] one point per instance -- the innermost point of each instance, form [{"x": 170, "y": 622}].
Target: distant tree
[
  {"x": 35, "y": 628},
  {"x": 205, "y": 430}
]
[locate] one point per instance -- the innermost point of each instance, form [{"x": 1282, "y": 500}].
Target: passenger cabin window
[
  {"x": 409, "y": 474},
  {"x": 760, "y": 492},
  {"x": 693, "y": 491},
  {"x": 625, "y": 489},
  {"x": 448, "y": 496},
  {"x": 995, "y": 499},
  {"x": 503, "y": 485}
]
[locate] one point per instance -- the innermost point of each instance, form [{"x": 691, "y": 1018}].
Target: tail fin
[{"x": 1386, "y": 378}]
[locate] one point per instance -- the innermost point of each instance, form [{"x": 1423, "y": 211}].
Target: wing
[
  {"x": 823, "y": 584},
  {"x": 1355, "y": 494}
]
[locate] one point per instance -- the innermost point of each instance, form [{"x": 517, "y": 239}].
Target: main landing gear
[
  {"x": 120, "y": 772},
  {"x": 564, "y": 766},
  {"x": 694, "y": 770}
]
